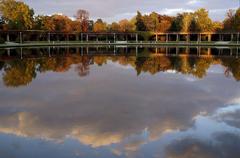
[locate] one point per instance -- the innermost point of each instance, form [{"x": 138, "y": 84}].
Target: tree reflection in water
[{"x": 20, "y": 72}]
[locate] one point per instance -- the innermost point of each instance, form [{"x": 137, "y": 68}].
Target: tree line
[{"x": 17, "y": 15}]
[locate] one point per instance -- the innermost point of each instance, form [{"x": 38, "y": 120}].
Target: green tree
[
  {"x": 16, "y": 14},
  {"x": 186, "y": 22},
  {"x": 140, "y": 26},
  {"x": 236, "y": 21},
  {"x": 199, "y": 21},
  {"x": 228, "y": 22},
  {"x": 202, "y": 21},
  {"x": 154, "y": 21},
  {"x": 182, "y": 22}
]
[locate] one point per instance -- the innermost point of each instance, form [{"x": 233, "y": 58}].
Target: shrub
[{"x": 2, "y": 40}]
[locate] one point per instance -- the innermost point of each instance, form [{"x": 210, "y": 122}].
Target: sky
[{"x": 114, "y": 10}]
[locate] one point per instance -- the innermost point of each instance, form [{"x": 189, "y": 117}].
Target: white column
[
  {"x": 237, "y": 52},
  {"x": 8, "y": 51},
  {"x": 8, "y": 38},
  {"x": 114, "y": 37},
  {"x": 81, "y": 51},
  {"x": 188, "y": 38},
  {"x": 209, "y": 37},
  {"x": 197, "y": 50},
  {"x": 49, "y": 37},
  {"x": 49, "y": 52},
  {"x": 187, "y": 50},
  {"x": 21, "y": 53},
  {"x": 67, "y": 37},
  {"x": 136, "y": 50},
  {"x": 20, "y": 37},
  {"x": 237, "y": 37}
]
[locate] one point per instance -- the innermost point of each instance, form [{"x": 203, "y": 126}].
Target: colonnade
[
  {"x": 197, "y": 37},
  {"x": 115, "y": 37},
  {"x": 19, "y": 36}
]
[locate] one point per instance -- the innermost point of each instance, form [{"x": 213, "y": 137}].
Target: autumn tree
[
  {"x": 62, "y": 23},
  {"x": 100, "y": 26},
  {"x": 126, "y": 26},
  {"x": 232, "y": 21},
  {"x": 56, "y": 23},
  {"x": 16, "y": 14},
  {"x": 164, "y": 23},
  {"x": 217, "y": 26},
  {"x": 114, "y": 27},
  {"x": 82, "y": 17}
]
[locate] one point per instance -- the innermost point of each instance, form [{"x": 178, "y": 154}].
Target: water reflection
[
  {"x": 21, "y": 66},
  {"x": 149, "y": 105}
]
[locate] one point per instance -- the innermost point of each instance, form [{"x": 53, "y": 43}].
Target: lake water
[{"x": 107, "y": 102}]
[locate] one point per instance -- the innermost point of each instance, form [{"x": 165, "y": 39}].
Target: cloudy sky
[{"x": 112, "y": 10}]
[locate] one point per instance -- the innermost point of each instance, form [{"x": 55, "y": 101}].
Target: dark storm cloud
[
  {"x": 227, "y": 146},
  {"x": 112, "y": 10}
]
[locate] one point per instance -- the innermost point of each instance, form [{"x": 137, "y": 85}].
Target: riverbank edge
[{"x": 206, "y": 44}]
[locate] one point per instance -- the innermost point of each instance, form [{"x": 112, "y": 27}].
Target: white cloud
[
  {"x": 193, "y": 2},
  {"x": 174, "y": 11}
]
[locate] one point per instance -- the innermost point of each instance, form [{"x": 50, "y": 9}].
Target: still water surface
[{"x": 119, "y": 102}]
